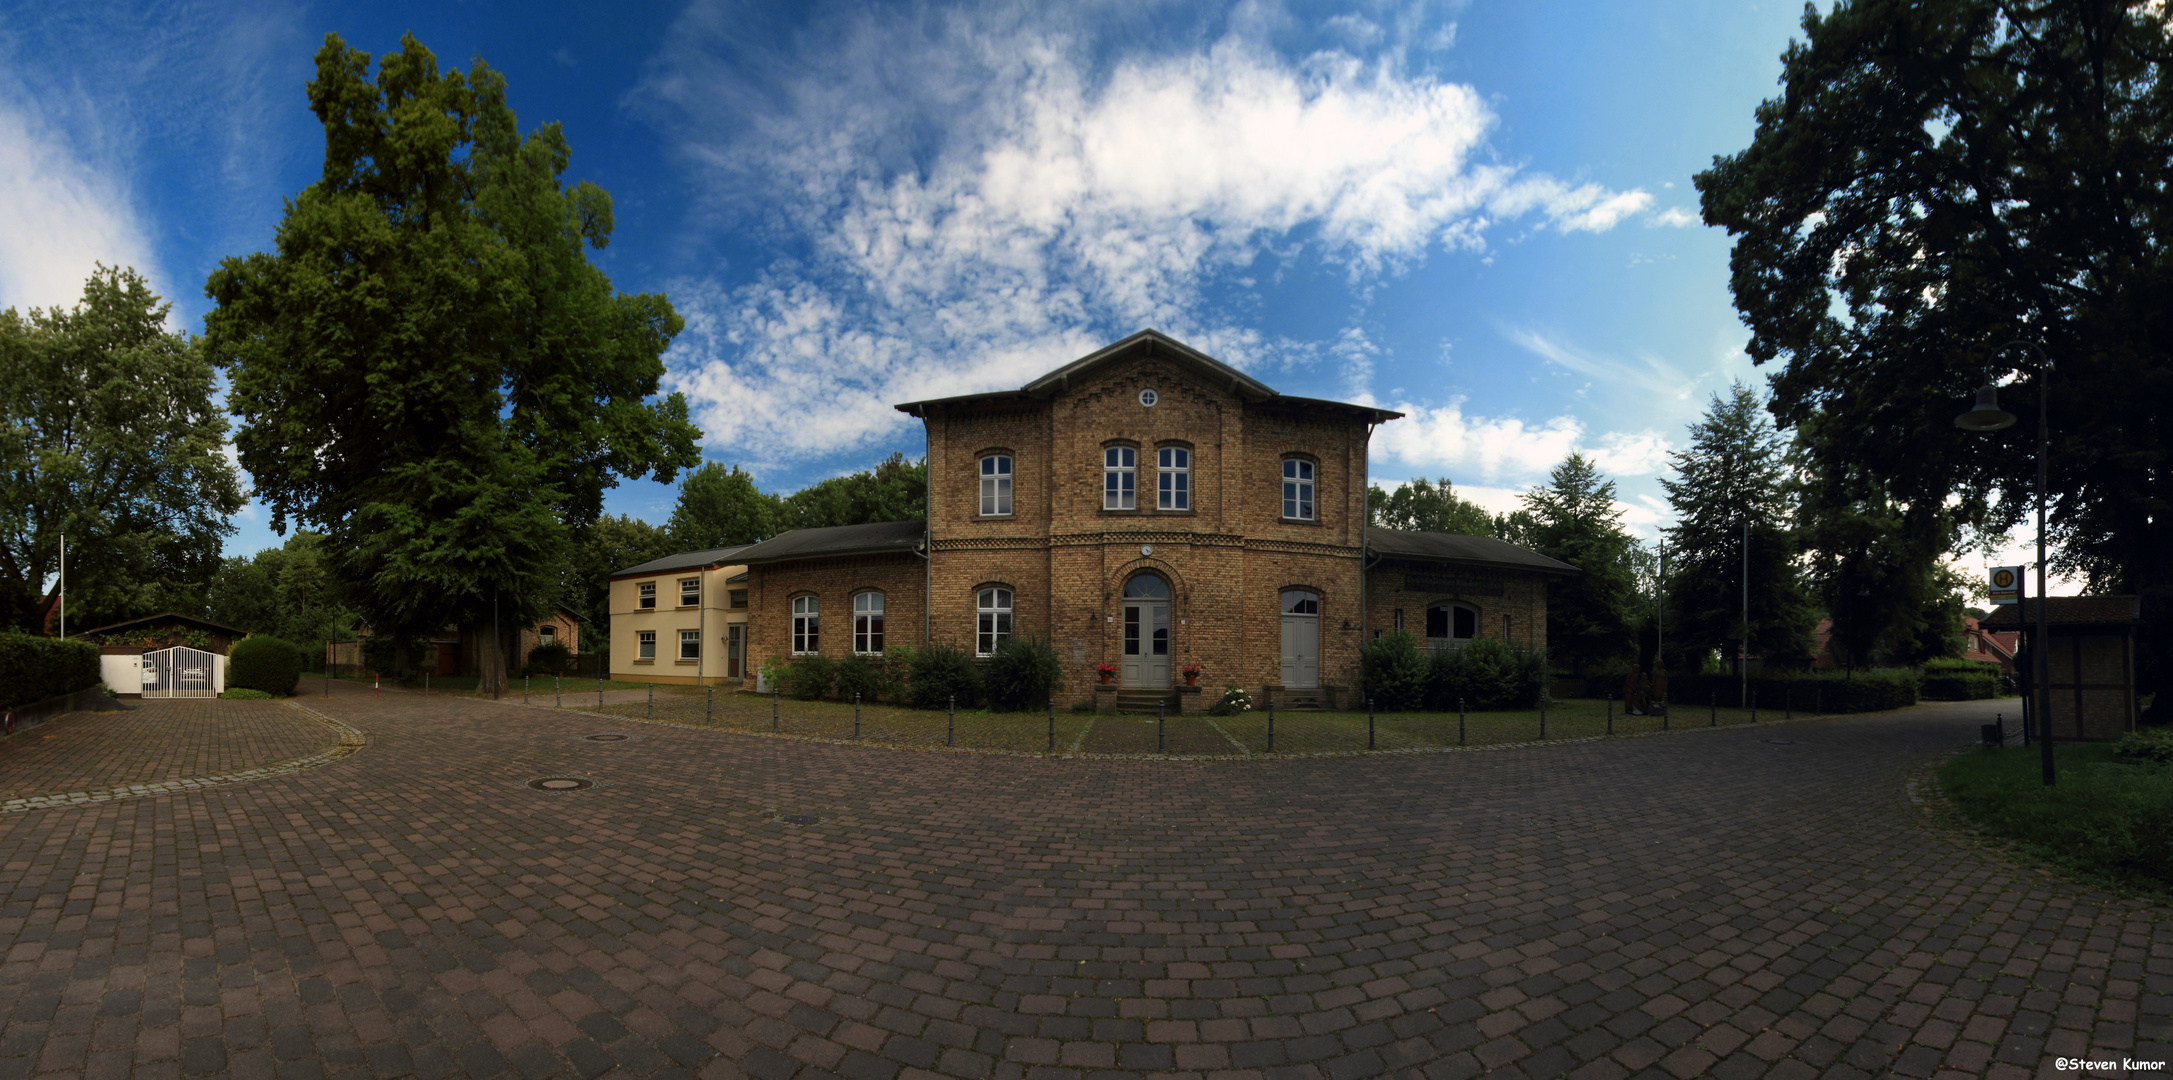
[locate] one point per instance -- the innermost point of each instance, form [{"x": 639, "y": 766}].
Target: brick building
[
  {"x": 1151, "y": 507},
  {"x": 2090, "y": 661}
]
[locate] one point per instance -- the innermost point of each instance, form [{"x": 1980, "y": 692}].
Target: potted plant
[
  {"x": 1191, "y": 672},
  {"x": 1105, "y": 671}
]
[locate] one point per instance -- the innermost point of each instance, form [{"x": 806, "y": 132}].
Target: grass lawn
[
  {"x": 2105, "y": 820},
  {"x": 1089, "y": 733},
  {"x": 539, "y": 686}
]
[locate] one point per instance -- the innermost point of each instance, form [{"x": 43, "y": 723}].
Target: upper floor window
[
  {"x": 690, "y": 591},
  {"x": 806, "y": 625},
  {"x": 996, "y": 485},
  {"x": 1297, "y": 489},
  {"x": 647, "y": 589},
  {"x": 1120, "y": 478},
  {"x": 868, "y": 622},
  {"x": 737, "y": 598},
  {"x": 1173, "y": 478},
  {"x": 992, "y": 608}
]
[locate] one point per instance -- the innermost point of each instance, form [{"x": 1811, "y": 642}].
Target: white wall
[{"x": 122, "y": 674}]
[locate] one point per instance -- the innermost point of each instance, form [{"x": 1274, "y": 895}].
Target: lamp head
[{"x": 1987, "y": 416}]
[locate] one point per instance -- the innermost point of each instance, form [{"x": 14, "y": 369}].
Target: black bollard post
[
  {"x": 1271, "y": 721},
  {"x": 599, "y": 691},
  {"x": 1369, "y": 723},
  {"x": 524, "y": 689},
  {"x": 1754, "y": 706},
  {"x": 1542, "y": 716},
  {"x": 1788, "y": 704},
  {"x": 1459, "y": 721},
  {"x": 856, "y": 714},
  {"x": 776, "y": 724},
  {"x": 1052, "y": 725},
  {"x": 1712, "y": 701},
  {"x": 558, "y": 694},
  {"x": 426, "y": 684},
  {"x": 1161, "y": 716},
  {"x": 1610, "y": 714},
  {"x": 652, "y": 700},
  {"x": 950, "y": 730},
  {"x": 709, "y": 708}
]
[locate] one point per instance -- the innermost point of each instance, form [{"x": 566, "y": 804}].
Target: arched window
[
  {"x": 1146, "y": 587},
  {"x": 1452, "y": 622},
  {"x": 806, "y": 625},
  {"x": 1297, "y": 489},
  {"x": 992, "y": 609},
  {"x": 1173, "y": 478},
  {"x": 1120, "y": 478},
  {"x": 1300, "y": 602},
  {"x": 868, "y": 622},
  {"x": 996, "y": 485}
]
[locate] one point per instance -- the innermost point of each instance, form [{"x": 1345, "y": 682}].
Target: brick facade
[
  {"x": 1411, "y": 588},
  {"x": 1227, "y": 558}
]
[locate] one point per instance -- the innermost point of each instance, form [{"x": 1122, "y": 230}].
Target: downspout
[
  {"x": 1365, "y": 519},
  {"x": 928, "y": 537}
]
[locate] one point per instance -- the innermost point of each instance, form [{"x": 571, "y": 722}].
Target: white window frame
[
  {"x": 1173, "y": 478},
  {"x": 992, "y": 619},
  {"x": 806, "y": 625},
  {"x": 690, "y": 587},
  {"x": 645, "y": 645},
  {"x": 646, "y": 591},
  {"x": 1300, "y": 490},
  {"x": 690, "y": 644},
  {"x": 996, "y": 485},
  {"x": 867, "y": 610},
  {"x": 1120, "y": 478},
  {"x": 546, "y": 634}
]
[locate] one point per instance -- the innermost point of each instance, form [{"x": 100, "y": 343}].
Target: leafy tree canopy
[
  {"x": 1938, "y": 179},
  {"x": 1419, "y": 506},
  {"x": 895, "y": 490},
  {"x": 429, "y": 369},
  {"x": 288, "y": 592},
  {"x": 1573, "y": 517},
  {"x": 108, "y": 434},
  {"x": 604, "y": 547},
  {"x": 719, "y": 506}
]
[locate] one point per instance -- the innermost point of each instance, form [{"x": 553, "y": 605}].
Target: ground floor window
[
  {"x": 690, "y": 644},
  {"x": 806, "y": 624},
  {"x": 646, "y": 649},
  {"x": 868, "y": 622},
  {"x": 993, "y": 609}
]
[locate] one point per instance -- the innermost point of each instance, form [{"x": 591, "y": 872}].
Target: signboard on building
[{"x": 2006, "y": 584}]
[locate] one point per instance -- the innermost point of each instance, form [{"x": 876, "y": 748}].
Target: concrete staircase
[
  {"x": 1146, "y": 701},
  {"x": 1292, "y": 700}
]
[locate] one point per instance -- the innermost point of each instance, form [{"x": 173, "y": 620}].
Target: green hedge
[
  {"x": 1486, "y": 674},
  {"x": 264, "y": 663},
  {"x": 1825, "y": 691},
  {"x": 36, "y": 668}
]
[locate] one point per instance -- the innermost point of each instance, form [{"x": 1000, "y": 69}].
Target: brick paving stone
[{"x": 1704, "y": 903}]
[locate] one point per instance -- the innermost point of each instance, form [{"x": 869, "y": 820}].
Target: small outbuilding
[
  {"x": 2089, "y": 660},
  {"x": 164, "y": 655}
]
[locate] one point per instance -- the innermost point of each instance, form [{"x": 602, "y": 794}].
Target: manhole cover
[
  {"x": 797, "y": 819},
  {"x": 558, "y": 784},
  {"x": 608, "y": 736}
]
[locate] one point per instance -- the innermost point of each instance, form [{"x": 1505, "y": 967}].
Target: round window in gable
[{"x": 1147, "y": 397}]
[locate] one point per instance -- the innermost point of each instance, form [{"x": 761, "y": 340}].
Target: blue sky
[{"x": 1479, "y": 213}]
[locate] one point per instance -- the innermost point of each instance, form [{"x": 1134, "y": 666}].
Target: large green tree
[
  {"x": 429, "y": 369},
  {"x": 719, "y": 506},
  {"x": 602, "y": 548},
  {"x": 288, "y": 591},
  {"x": 1420, "y": 506},
  {"x": 1937, "y": 179},
  {"x": 108, "y": 434},
  {"x": 895, "y": 490},
  {"x": 1573, "y": 517},
  {"x": 1733, "y": 475}
]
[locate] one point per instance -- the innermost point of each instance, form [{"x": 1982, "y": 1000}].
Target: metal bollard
[
  {"x": 599, "y": 691},
  {"x": 558, "y": 694},
  {"x": 1788, "y": 704},
  {"x": 426, "y": 684},
  {"x": 1271, "y": 721},
  {"x": 1161, "y": 715},
  {"x": 1052, "y": 725},
  {"x": 1754, "y": 706},
  {"x": 774, "y": 721},
  {"x": 856, "y": 714},
  {"x": 1459, "y": 721},
  {"x": 1712, "y": 701},
  {"x": 524, "y": 689},
  {"x": 1542, "y": 716},
  {"x": 709, "y": 708},
  {"x": 950, "y": 730},
  {"x": 1610, "y": 714},
  {"x": 1369, "y": 723},
  {"x": 652, "y": 700}
]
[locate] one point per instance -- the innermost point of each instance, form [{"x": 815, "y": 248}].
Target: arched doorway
[
  {"x": 1301, "y": 639},
  {"x": 1146, "y": 647}
]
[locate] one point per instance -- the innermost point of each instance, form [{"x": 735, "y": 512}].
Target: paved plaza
[{"x": 1740, "y": 902}]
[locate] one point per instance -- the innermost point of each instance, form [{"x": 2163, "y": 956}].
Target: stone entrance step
[{"x": 1146, "y": 701}]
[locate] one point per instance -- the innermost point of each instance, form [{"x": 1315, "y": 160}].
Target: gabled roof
[
  {"x": 166, "y": 618},
  {"x": 1467, "y": 550},
  {"x": 2069, "y": 611},
  {"x": 836, "y": 541},
  {"x": 1149, "y": 342},
  {"x": 685, "y": 560}
]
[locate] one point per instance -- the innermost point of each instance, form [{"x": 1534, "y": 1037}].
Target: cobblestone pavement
[
  {"x": 1740, "y": 902},
  {"x": 154, "y": 740}
]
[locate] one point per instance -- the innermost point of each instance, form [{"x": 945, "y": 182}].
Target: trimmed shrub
[
  {"x": 36, "y": 668},
  {"x": 809, "y": 678},
  {"x": 1960, "y": 685},
  {"x": 1487, "y": 673},
  {"x": 264, "y": 663},
  {"x": 869, "y": 676},
  {"x": 549, "y": 658},
  {"x": 1831, "y": 691},
  {"x": 2154, "y": 746},
  {"x": 243, "y": 693},
  {"x": 938, "y": 674},
  {"x": 1023, "y": 675},
  {"x": 1393, "y": 672}
]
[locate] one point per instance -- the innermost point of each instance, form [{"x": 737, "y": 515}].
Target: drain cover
[
  {"x": 607, "y": 736},
  {"x": 797, "y": 819},
  {"x": 558, "y": 784}
]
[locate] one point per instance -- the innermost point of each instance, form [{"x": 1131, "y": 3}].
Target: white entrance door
[
  {"x": 1301, "y": 639},
  {"x": 1146, "y": 644}
]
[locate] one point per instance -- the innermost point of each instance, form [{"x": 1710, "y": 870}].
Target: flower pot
[
  {"x": 1192, "y": 680},
  {"x": 1105, "y": 678}
]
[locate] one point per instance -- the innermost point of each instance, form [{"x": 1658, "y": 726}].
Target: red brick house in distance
[{"x": 1151, "y": 507}]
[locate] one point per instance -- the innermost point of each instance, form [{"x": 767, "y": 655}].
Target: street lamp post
[{"x": 1987, "y": 416}]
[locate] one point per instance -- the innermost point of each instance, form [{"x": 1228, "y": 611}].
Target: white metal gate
[{"x": 178, "y": 672}]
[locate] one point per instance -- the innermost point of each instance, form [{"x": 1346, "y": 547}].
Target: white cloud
[
  {"x": 970, "y": 201},
  {"x": 1489, "y": 447},
  {"x": 1624, "y": 453},
  {"x": 61, "y": 216},
  {"x": 1674, "y": 217},
  {"x": 1647, "y": 374}
]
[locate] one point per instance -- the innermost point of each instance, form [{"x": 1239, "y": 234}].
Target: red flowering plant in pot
[
  {"x": 1105, "y": 671},
  {"x": 1191, "y": 672}
]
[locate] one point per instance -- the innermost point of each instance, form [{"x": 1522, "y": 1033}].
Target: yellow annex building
[{"x": 680, "y": 619}]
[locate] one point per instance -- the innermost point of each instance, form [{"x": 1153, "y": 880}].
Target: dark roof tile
[
  {"x": 837, "y": 541},
  {"x": 1470, "y": 550}
]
